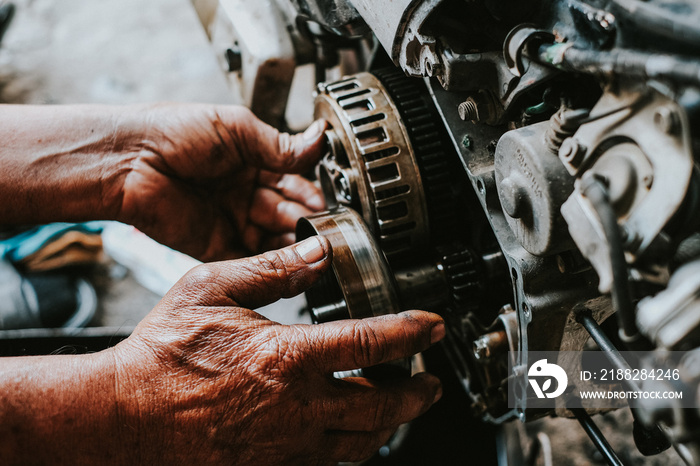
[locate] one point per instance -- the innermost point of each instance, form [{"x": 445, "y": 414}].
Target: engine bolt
[
  {"x": 489, "y": 345},
  {"x": 468, "y": 110}
]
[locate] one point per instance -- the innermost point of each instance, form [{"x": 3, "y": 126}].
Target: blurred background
[
  {"x": 110, "y": 51},
  {"x": 121, "y": 52}
]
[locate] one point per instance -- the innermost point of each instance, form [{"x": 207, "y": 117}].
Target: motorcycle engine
[{"x": 527, "y": 169}]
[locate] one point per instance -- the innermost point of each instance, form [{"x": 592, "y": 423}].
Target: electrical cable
[
  {"x": 624, "y": 62},
  {"x": 596, "y": 436},
  {"x": 597, "y": 194}
]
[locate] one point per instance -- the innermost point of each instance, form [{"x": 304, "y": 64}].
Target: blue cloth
[{"x": 28, "y": 242}]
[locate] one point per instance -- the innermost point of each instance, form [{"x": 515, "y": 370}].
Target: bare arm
[
  {"x": 64, "y": 163},
  {"x": 60, "y": 410},
  {"x": 211, "y": 181}
]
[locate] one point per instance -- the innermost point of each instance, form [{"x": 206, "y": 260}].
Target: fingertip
[
  {"x": 314, "y": 131},
  {"x": 427, "y": 319},
  {"x": 316, "y": 203},
  {"x": 314, "y": 141},
  {"x": 437, "y": 333},
  {"x": 434, "y": 383}
]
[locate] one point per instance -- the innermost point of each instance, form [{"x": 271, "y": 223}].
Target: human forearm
[
  {"x": 162, "y": 168},
  {"x": 61, "y": 410},
  {"x": 65, "y": 163}
]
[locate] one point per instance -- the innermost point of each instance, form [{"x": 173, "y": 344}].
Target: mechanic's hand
[
  {"x": 205, "y": 380},
  {"x": 215, "y": 182}
]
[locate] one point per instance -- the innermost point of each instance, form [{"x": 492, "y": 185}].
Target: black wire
[
  {"x": 626, "y": 62},
  {"x": 596, "y": 436},
  {"x": 649, "y": 440},
  {"x": 586, "y": 319},
  {"x": 597, "y": 194}
]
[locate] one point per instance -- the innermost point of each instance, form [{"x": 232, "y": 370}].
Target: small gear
[{"x": 461, "y": 268}]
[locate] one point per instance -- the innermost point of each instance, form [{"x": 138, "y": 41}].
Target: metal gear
[
  {"x": 461, "y": 268},
  {"x": 374, "y": 159},
  {"x": 432, "y": 150}
]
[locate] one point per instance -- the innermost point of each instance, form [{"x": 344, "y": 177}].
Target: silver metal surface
[
  {"x": 360, "y": 281},
  {"x": 671, "y": 319},
  {"x": 647, "y": 171},
  {"x": 532, "y": 185},
  {"x": 385, "y": 21},
  {"x": 372, "y": 155}
]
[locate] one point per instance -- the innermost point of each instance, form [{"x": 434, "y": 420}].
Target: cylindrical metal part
[
  {"x": 491, "y": 344},
  {"x": 332, "y": 311},
  {"x": 359, "y": 280},
  {"x": 596, "y": 436},
  {"x": 422, "y": 286}
]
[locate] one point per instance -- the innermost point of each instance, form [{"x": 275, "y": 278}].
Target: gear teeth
[
  {"x": 395, "y": 211},
  {"x": 461, "y": 269},
  {"x": 432, "y": 150}
]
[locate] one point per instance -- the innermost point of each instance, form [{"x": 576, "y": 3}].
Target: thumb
[
  {"x": 255, "y": 281},
  {"x": 266, "y": 148}
]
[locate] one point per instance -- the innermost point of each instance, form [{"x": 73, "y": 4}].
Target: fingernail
[
  {"x": 438, "y": 394},
  {"x": 314, "y": 131},
  {"x": 437, "y": 333},
  {"x": 311, "y": 250}
]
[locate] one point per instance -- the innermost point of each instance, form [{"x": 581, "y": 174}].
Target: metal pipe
[
  {"x": 646, "y": 438},
  {"x": 596, "y": 436},
  {"x": 626, "y": 62},
  {"x": 586, "y": 319}
]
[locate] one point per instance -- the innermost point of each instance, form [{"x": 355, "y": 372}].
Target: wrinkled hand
[
  {"x": 214, "y": 181},
  {"x": 205, "y": 380}
]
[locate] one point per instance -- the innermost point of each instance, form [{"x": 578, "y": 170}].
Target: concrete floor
[{"x": 109, "y": 51}]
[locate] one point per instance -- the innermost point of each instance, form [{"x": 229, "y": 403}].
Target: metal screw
[
  {"x": 572, "y": 152},
  {"x": 489, "y": 345},
  {"x": 468, "y": 110}
]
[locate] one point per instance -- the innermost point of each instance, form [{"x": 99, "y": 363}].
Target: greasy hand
[
  {"x": 215, "y": 182},
  {"x": 205, "y": 380}
]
